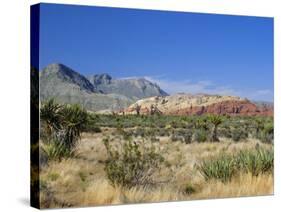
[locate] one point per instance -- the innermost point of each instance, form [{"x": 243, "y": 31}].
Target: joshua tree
[
  {"x": 152, "y": 109},
  {"x": 259, "y": 124},
  {"x": 201, "y": 123},
  {"x": 216, "y": 120},
  {"x": 138, "y": 108},
  {"x": 74, "y": 121},
  {"x": 50, "y": 114}
]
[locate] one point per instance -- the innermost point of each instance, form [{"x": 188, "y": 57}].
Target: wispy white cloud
[
  {"x": 188, "y": 86},
  {"x": 265, "y": 94},
  {"x": 208, "y": 87}
]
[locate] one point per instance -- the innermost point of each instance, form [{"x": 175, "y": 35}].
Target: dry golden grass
[
  {"x": 81, "y": 181},
  {"x": 243, "y": 185}
]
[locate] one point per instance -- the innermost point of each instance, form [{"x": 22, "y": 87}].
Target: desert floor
[{"x": 82, "y": 181}]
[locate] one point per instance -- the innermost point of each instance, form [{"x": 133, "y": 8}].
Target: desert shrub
[
  {"x": 221, "y": 168},
  {"x": 258, "y": 125},
  {"x": 91, "y": 125},
  {"x": 200, "y": 135},
  {"x": 139, "y": 132},
  {"x": 154, "y": 139},
  {"x": 238, "y": 134},
  {"x": 189, "y": 189},
  {"x": 225, "y": 131},
  {"x": 255, "y": 162},
  {"x": 150, "y": 132},
  {"x": 129, "y": 166},
  {"x": 125, "y": 134},
  {"x": 175, "y": 138},
  {"x": 56, "y": 150},
  {"x": 53, "y": 176},
  {"x": 187, "y": 137},
  {"x": 163, "y": 132},
  {"x": 267, "y": 134}
]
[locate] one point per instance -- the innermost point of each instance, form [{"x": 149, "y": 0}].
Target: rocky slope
[
  {"x": 132, "y": 88},
  {"x": 98, "y": 92},
  {"x": 187, "y": 104},
  {"x": 67, "y": 86}
]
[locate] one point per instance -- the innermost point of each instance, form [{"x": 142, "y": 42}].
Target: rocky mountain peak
[
  {"x": 67, "y": 75},
  {"x": 98, "y": 79}
]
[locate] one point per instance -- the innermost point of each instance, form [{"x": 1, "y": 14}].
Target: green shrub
[
  {"x": 53, "y": 176},
  {"x": 221, "y": 168},
  {"x": 163, "y": 132},
  {"x": 238, "y": 134},
  {"x": 187, "y": 137},
  {"x": 189, "y": 189},
  {"x": 128, "y": 166},
  {"x": 139, "y": 132},
  {"x": 255, "y": 162},
  {"x": 56, "y": 150},
  {"x": 175, "y": 138},
  {"x": 225, "y": 132},
  {"x": 267, "y": 134},
  {"x": 200, "y": 136}
]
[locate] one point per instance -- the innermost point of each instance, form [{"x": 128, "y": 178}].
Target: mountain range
[
  {"x": 95, "y": 92},
  {"x": 103, "y": 93},
  {"x": 135, "y": 88}
]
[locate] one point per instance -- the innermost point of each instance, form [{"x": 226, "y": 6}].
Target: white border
[{"x": 14, "y": 117}]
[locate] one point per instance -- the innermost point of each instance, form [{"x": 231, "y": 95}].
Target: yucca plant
[
  {"x": 267, "y": 134},
  {"x": 255, "y": 162},
  {"x": 201, "y": 123},
  {"x": 56, "y": 150},
  {"x": 51, "y": 116},
  {"x": 63, "y": 124},
  {"x": 259, "y": 125},
  {"x": 216, "y": 120},
  {"x": 75, "y": 119},
  {"x": 221, "y": 168}
]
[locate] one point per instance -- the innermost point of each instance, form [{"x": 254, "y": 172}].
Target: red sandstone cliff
[{"x": 186, "y": 104}]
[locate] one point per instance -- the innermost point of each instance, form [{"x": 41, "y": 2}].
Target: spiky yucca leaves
[
  {"x": 63, "y": 124},
  {"x": 56, "y": 150},
  {"x": 259, "y": 125},
  {"x": 267, "y": 134},
  {"x": 224, "y": 167},
  {"x": 221, "y": 168},
  {"x": 216, "y": 120},
  {"x": 74, "y": 121},
  {"x": 50, "y": 115},
  {"x": 255, "y": 162},
  {"x": 201, "y": 123}
]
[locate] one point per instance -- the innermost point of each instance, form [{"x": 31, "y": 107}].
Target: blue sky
[{"x": 182, "y": 52}]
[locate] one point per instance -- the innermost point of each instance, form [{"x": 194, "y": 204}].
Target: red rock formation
[
  {"x": 186, "y": 104},
  {"x": 243, "y": 108}
]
